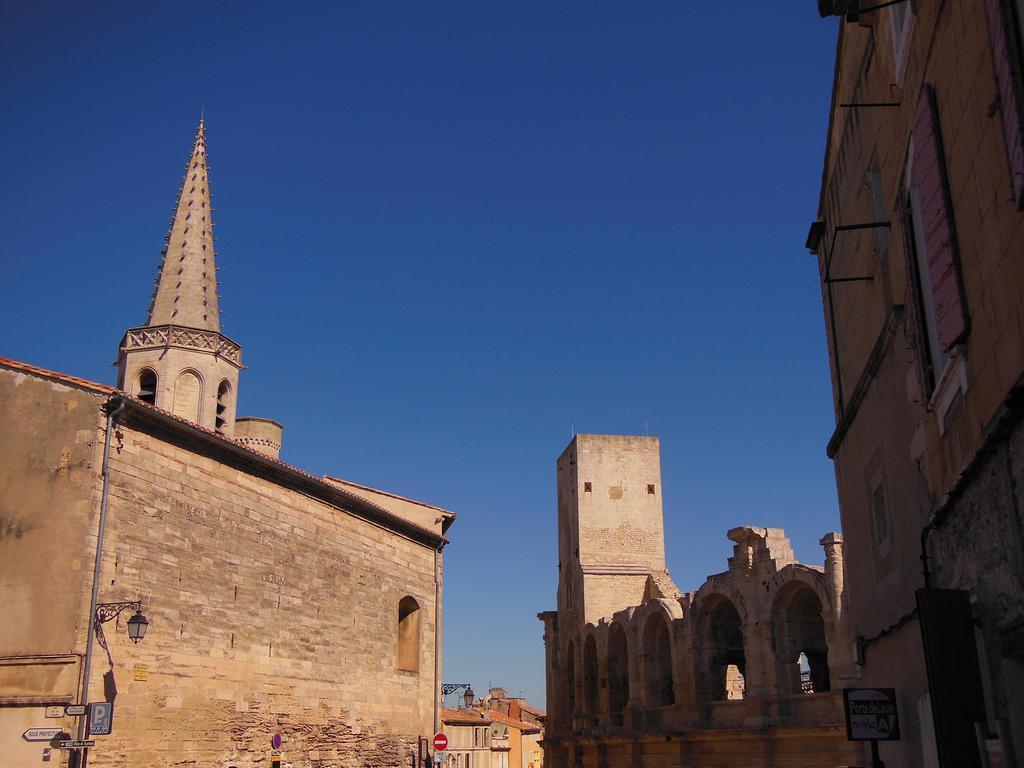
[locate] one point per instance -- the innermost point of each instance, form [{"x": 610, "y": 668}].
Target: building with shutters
[
  {"x": 278, "y": 601},
  {"x": 640, "y": 673},
  {"x": 919, "y": 240},
  {"x": 470, "y": 739},
  {"x": 488, "y": 736},
  {"x": 522, "y": 725}
]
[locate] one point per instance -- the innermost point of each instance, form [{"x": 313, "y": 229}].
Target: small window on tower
[
  {"x": 586, "y": 487},
  {"x": 650, "y": 489},
  {"x": 223, "y": 396},
  {"x": 147, "y": 387}
]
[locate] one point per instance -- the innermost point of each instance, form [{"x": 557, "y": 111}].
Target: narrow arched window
[
  {"x": 147, "y": 386},
  {"x": 223, "y": 397},
  {"x": 408, "y": 657}
]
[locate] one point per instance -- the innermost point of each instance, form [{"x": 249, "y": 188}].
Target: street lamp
[
  {"x": 137, "y": 626},
  {"x": 468, "y": 696},
  {"x": 105, "y": 612}
]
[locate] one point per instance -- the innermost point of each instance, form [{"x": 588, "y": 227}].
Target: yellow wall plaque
[{"x": 141, "y": 673}]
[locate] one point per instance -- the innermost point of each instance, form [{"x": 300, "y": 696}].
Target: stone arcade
[{"x": 745, "y": 671}]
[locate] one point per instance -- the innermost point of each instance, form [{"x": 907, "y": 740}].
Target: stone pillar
[
  {"x": 602, "y": 718},
  {"x": 756, "y": 646},
  {"x": 842, "y": 666}
]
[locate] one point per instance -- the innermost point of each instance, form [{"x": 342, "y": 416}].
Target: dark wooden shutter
[
  {"x": 1006, "y": 64},
  {"x": 954, "y": 679},
  {"x": 929, "y": 176}
]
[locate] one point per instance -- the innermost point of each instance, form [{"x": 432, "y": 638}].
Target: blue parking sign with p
[{"x": 101, "y": 717}]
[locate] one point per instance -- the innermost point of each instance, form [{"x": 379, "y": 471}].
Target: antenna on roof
[
  {"x": 646, "y": 429},
  {"x": 572, "y": 429}
]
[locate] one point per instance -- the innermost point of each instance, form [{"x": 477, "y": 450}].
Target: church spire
[
  {"x": 186, "y": 287},
  {"x": 179, "y": 360}
]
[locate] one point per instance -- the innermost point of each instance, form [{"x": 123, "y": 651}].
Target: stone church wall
[
  {"x": 48, "y": 485},
  {"x": 270, "y": 609}
]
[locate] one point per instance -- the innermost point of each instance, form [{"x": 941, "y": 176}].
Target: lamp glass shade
[
  {"x": 468, "y": 697},
  {"x": 137, "y": 627}
]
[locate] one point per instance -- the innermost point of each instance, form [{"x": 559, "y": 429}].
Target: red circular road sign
[
  {"x": 440, "y": 742},
  {"x": 275, "y": 740}
]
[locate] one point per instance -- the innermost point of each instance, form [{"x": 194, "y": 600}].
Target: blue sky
[{"x": 449, "y": 234}]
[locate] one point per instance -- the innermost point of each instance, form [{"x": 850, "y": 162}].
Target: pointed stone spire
[
  {"x": 186, "y": 287},
  {"x": 179, "y": 360}
]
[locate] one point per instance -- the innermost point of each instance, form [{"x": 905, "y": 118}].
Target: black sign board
[
  {"x": 76, "y": 743},
  {"x": 871, "y": 714}
]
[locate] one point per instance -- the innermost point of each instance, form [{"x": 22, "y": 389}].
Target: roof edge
[
  {"x": 346, "y": 501},
  {"x": 389, "y": 494}
]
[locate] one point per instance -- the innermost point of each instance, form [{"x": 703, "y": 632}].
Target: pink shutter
[
  {"x": 929, "y": 176},
  {"x": 1003, "y": 38}
]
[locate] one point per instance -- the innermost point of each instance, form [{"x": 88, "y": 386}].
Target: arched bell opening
[{"x": 146, "y": 388}]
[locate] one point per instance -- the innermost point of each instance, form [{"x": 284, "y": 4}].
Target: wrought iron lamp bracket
[{"x": 108, "y": 612}]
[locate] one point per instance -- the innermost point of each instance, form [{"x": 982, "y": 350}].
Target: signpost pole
[
  {"x": 876, "y": 760},
  {"x": 112, "y": 413}
]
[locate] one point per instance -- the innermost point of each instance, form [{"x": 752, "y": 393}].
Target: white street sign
[
  {"x": 42, "y": 734},
  {"x": 74, "y": 709}
]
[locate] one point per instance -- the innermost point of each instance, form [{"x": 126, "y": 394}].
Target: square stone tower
[{"x": 611, "y": 534}]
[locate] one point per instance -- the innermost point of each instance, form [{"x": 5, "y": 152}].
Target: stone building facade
[
  {"x": 523, "y": 724},
  {"x": 487, "y": 736},
  {"x": 745, "y": 671},
  {"x": 278, "y": 601},
  {"x": 469, "y": 737},
  {"x": 919, "y": 239}
]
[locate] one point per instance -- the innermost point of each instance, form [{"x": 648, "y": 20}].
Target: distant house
[
  {"x": 469, "y": 738},
  {"x": 493, "y": 735}
]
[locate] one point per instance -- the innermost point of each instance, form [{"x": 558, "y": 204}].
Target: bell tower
[{"x": 179, "y": 360}]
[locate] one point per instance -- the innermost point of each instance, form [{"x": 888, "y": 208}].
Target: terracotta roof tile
[
  {"x": 73, "y": 380},
  {"x": 468, "y": 716},
  {"x": 519, "y": 725}
]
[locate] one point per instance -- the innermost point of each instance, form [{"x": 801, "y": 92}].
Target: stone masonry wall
[
  {"x": 620, "y": 517},
  {"x": 269, "y": 611},
  {"x": 987, "y": 561},
  {"x": 49, "y": 465}
]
